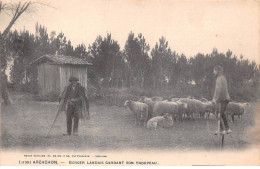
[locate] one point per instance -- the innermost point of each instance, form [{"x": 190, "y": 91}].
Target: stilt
[
  {"x": 222, "y": 142},
  {"x": 221, "y": 136}
]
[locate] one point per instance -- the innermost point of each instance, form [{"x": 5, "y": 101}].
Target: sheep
[
  {"x": 204, "y": 99},
  {"x": 164, "y": 121},
  {"x": 210, "y": 107},
  {"x": 196, "y": 108},
  {"x": 236, "y": 109},
  {"x": 144, "y": 98},
  {"x": 190, "y": 97},
  {"x": 161, "y": 108},
  {"x": 206, "y": 109},
  {"x": 155, "y": 98},
  {"x": 182, "y": 108},
  {"x": 190, "y": 107},
  {"x": 150, "y": 104},
  {"x": 140, "y": 111},
  {"x": 172, "y": 108},
  {"x": 175, "y": 99}
]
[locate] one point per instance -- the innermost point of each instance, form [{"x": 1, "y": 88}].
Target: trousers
[
  {"x": 221, "y": 110},
  {"x": 72, "y": 115}
]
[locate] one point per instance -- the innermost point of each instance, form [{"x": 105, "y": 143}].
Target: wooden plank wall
[
  {"x": 66, "y": 71},
  {"x": 48, "y": 78}
]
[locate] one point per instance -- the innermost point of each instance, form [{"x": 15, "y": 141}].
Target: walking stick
[{"x": 56, "y": 116}]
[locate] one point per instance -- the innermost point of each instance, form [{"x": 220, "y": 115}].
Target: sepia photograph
[{"x": 129, "y": 82}]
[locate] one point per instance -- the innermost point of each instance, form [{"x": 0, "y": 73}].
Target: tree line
[{"x": 135, "y": 65}]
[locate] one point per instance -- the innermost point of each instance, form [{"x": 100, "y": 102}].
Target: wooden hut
[{"x": 54, "y": 72}]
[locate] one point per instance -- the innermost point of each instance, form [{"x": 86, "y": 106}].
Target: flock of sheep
[{"x": 157, "y": 113}]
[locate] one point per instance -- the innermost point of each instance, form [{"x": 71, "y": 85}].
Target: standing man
[
  {"x": 221, "y": 99},
  {"x": 75, "y": 104}
]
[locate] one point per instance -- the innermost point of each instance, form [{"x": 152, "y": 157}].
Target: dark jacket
[
  {"x": 221, "y": 89},
  {"x": 80, "y": 100}
]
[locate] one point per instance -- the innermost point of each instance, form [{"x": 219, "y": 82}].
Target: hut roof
[{"x": 60, "y": 60}]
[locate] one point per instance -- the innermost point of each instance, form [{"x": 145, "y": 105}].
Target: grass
[{"x": 25, "y": 123}]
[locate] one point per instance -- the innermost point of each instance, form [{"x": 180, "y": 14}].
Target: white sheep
[
  {"x": 172, "y": 108},
  {"x": 204, "y": 108},
  {"x": 196, "y": 108},
  {"x": 144, "y": 98},
  {"x": 209, "y": 108},
  {"x": 150, "y": 104},
  {"x": 164, "y": 121},
  {"x": 174, "y": 99},
  {"x": 140, "y": 111},
  {"x": 191, "y": 107},
  {"x": 236, "y": 109},
  {"x": 155, "y": 98},
  {"x": 203, "y": 99}
]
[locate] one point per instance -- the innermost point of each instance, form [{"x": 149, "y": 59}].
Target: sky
[{"x": 189, "y": 26}]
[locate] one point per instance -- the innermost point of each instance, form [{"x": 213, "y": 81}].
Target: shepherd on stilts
[{"x": 221, "y": 99}]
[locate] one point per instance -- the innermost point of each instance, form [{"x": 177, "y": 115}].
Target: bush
[
  {"x": 135, "y": 91},
  {"x": 244, "y": 94},
  {"x": 51, "y": 97},
  {"x": 91, "y": 92},
  {"x": 10, "y": 86},
  {"x": 114, "y": 96}
]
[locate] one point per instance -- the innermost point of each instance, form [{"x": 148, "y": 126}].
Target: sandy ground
[{"x": 25, "y": 123}]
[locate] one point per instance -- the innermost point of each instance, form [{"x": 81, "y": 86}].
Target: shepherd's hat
[{"x": 73, "y": 79}]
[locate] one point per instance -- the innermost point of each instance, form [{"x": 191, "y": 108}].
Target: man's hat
[{"x": 73, "y": 79}]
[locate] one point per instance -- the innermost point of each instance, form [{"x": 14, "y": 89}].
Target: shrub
[{"x": 52, "y": 97}]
